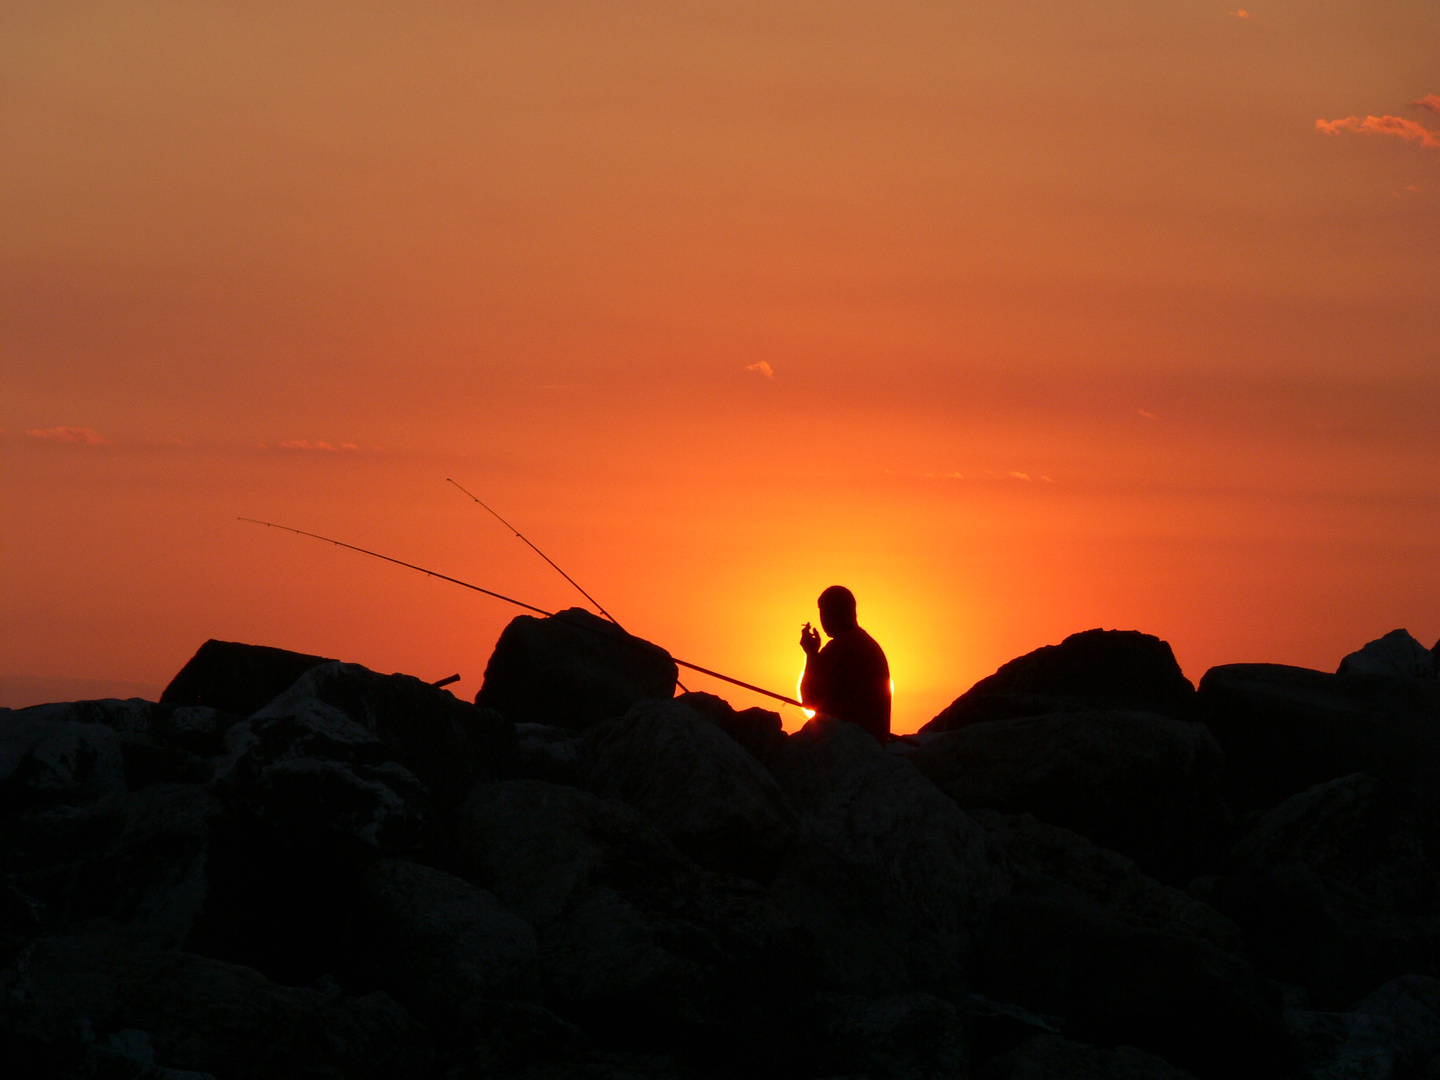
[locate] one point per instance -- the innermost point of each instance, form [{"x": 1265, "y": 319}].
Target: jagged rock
[
  {"x": 441, "y": 946},
  {"x": 876, "y": 810},
  {"x": 1146, "y": 785},
  {"x": 1051, "y": 1057},
  {"x": 548, "y": 753},
  {"x": 758, "y": 730},
  {"x": 65, "y": 1000},
  {"x": 1397, "y": 653},
  {"x": 1164, "y": 993},
  {"x": 1104, "y": 669},
  {"x": 1313, "y": 932},
  {"x": 571, "y": 670},
  {"x": 48, "y": 759},
  {"x": 1367, "y": 834},
  {"x": 900, "y": 1037},
  {"x": 635, "y": 941},
  {"x": 1054, "y": 864},
  {"x": 236, "y": 678},
  {"x": 1392, "y": 1034},
  {"x": 712, "y": 799},
  {"x": 1286, "y": 729},
  {"x": 449, "y": 744},
  {"x": 155, "y": 878}
]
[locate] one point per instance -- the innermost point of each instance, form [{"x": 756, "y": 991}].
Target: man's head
[{"x": 837, "y": 609}]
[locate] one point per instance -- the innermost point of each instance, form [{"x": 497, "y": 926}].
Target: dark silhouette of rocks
[
  {"x": 1083, "y": 869},
  {"x": 572, "y": 670},
  {"x": 1397, "y": 653},
  {"x": 1285, "y": 729},
  {"x": 1146, "y": 785},
  {"x": 1104, "y": 669},
  {"x": 235, "y": 677}
]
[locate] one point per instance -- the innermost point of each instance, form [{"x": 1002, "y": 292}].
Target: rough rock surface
[
  {"x": 359, "y": 875},
  {"x": 1051, "y": 1057},
  {"x": 1146, "y": 785},
  {"x": 696, "y": 784},
  {"x": 571, "y": 670},
  {"x": 1285, "y": 729},
  {"x": 1105, "y": 669},
  {"x": 236, "y": 678},
  {"x": 1397, "y": 653}
]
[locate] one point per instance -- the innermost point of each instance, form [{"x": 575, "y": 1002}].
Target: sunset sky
[{"x": 1018, "y": 319}]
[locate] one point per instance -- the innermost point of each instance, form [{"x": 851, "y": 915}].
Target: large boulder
[
  {"x": 441, "y": 946},
  {"x": 758, "y": 730},
  {"x": 1397, "y": 653},
  {"x": 1165, "y": 993},
  {"x": 876, "y": 810},
  {"x": 911, "y": 1036},
  {"x": 1104, "y": 669},
  {"x": 1368, "y": 835},
  {"x": 1054, "y": 864},
  {"x": 236, "y": 678},
  {"x": 1146, "y": 785},
  {"x": 48, "y": 758},
  {"x": 636, "y": 943},
  {"x": 1053, "y": 1057},
  {"x": 1286, "y": 729},
  {"x": 1392, "y": 1034},
  {"x": 449, "y": 744},
  {"x": 714, "y": 801},
  {"x": 1313, "y": 932},
  {"x": 572, "y": 669},
  {"x": 94, "y": 1006}
]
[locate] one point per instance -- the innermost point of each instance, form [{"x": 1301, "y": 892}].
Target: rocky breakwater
[{"x": 296, "y": 867}]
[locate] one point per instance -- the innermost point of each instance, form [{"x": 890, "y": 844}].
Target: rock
[
  {"x": 758, "y": 730},
  {"x": 64, "y": 997},
  {"x": 1146, "y": 785},
  {"x": 1393, "y": 1033},
  {"x": 447, "y": 743},
  {"x": 1054, "y": 864},
  {"x": 1397, "y": 653},
  {"x": 148, "y": 761},
  {"x": 876, "y": 810},
  {"x": 1105, "y": 669},
  {"x": 1312, "y": 932},
  {"x": 548, "y": 753},
  {"x": 442, "y": 947},
  {"x": 1051, "y": 1057},
  {"x": 236, "y": 678},
  {"x": 900, "y": 1037},
  {"x": 47, "y": 760},
  {"x": 636, "y": 943},
  {"x": 155, "y": 879},
  {"x": 1369, "y": 835},
  {"x": 707, "y": 795},
  {"x": 1164, "y": 993},
  {"x": 1286, "y": 729},
  {"x": 571, "y": 670}
]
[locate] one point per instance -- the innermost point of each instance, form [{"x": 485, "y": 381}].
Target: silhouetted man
[{"x": 849, "y": 678}]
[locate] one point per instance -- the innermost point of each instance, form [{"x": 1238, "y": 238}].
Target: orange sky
[{"x": 1072, "y": 315}]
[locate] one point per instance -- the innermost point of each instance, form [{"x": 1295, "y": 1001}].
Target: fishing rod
[
  {"x": 542, "y": 554},
  {"x": 496, "y": 515},
  {"x": 511, "y": 600}
]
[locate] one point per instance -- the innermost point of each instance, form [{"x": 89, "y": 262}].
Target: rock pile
[{"x": 297, "y": 867}]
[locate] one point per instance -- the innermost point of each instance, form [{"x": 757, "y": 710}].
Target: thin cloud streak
[
  {"x": 1429, "y": 101},
  {"x": 762, "y": 368},
  {"x": 1398, "y": 126},
  {"x": 80, "y": 436}
]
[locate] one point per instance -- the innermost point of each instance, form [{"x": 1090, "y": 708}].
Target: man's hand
[{"x": 810, "y": 640}]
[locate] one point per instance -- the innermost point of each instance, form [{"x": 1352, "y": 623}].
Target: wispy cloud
[
  {"x": 761, "y": 368},
  {"x": 1398, "y": 126},
  {"x": 82, "y": 436},
  {"x": 1146, "y": 413},
  {"x": 1429, "y": 101},
  {"x": 316, "y": 444},
  {"x": 1241, "y": 14}
]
